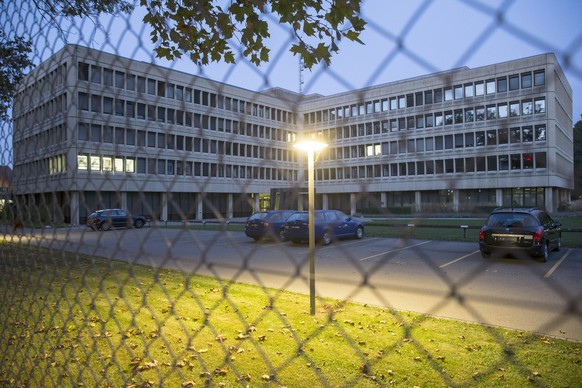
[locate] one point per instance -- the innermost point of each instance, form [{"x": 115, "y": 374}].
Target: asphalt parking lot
[{"x": 440, "y": 278}]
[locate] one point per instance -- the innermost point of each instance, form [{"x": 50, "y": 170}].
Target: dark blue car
[
  {"x": 329, "y": 225},
  {"x": 267, "y": 224}
]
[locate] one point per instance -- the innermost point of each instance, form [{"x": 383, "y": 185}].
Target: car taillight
[
  {"x": 538, "y": 235},
  {"x": 482, "y": 234}
]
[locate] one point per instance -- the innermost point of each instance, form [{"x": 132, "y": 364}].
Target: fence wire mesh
[{"x": 188, "y": 299}]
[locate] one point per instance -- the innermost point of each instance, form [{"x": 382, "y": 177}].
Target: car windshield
[
  {"x": 299, "y": 217},
  {"x": 512, "y": 220},
  {"x": 258, "y": 216}
]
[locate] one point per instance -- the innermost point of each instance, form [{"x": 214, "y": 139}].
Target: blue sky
[{"x": 435, "y": 35}]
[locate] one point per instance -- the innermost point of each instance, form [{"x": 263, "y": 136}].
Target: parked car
[
  {"x": 114, "y": 218},
  {"x": 267, "y": 224},
  {"x": 329, "y": 225},
  {"x": 531, "y": 231}
]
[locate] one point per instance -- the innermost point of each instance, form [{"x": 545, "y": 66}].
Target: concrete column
[
  {"x": 164, "y": 207},
  {"x": 199, "y": 207},
  {"x": 417, "y": 202},
  {"x": 300, "y": 202},
  {"x": 383, "y": 200},
  {"x": 456, "y": 194},
  {"x": 229, "y": 205},
  {"x": 325, "y": 202},
  {"x": 353, "y": 204},
  {"x": 499, "y": 197},
  {"x": 256, "y": 206},
  {"x": 549, "y": 199},
  {"x": 74, "y": 205},
  {"x": 123, "y": 200}
]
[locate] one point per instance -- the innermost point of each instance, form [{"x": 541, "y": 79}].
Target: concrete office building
[{"x": 94, "y": 130}]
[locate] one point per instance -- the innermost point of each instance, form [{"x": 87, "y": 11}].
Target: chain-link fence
[{"x": 183, "y": 297}]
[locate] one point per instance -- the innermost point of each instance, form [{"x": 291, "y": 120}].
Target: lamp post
[{"x": 311, "y": 146}]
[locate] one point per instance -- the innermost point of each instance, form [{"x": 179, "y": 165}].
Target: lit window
[
  {"x": 107, "y": 164},
  {"x": 118, "y": 165},
  {"x": 95, "y": 163},
  {"x": 82, "y": 162}
]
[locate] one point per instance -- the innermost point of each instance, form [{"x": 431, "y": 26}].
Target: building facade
[{"x": 94, "y": 130}]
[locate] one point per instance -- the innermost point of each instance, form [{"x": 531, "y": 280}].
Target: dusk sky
[{"x": 436, "y": 35}]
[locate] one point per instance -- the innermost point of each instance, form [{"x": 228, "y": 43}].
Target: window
[
  {"x": 438, "y": 119},
  {"x": 401, "y": 102},
  {"x": 490, "y": 86},
  {"x": 503, "y": 162},
  {"x": 95, "y": 74},
  {"x": 540, "y": 105},
  {"x": 515, "y": 135},
  {"x": 491, "y": 112},
  {"x": 503, "y": 136},
  {"x": 429, "y": 120},
  {"x": 151, "y": 86},
  {"x": 480, "y": 113},
  {"x": 448, "y": 117},
  {"x": 527, "y": 107},
  {"x": 428, "y": 97},
  {"x": 514, "y": 109},
  {"x": 527, "y": 134},
  {"x": 419, "y": 100},
  {"x": 83, "y": 101},
  {"x": 540, "y": 160},
  {"x": 83, "y": 72},
  {"x": 516, "y": 162},
  {"x": 458, "y": 92},
  {"x": 438, "y": 95},
  {"x": 410, "y": 100},
  {"x": 526, "y": 80},
  {"x": 82, "y": 162},
  {"x": 448, "y": 94},
  {"x": 502, "y": 111},
  {"x": 119, "y": 79},
  {"x": 107, "y": 164},
  {"x": 502, "y": 84},
  {"x": 95, "y": 163},
  {"x": 141, "y": 84},
  {"x": 469, "y": 115},
  {"x": 513, "y": 82},
  {"x": 469, "y": 90},
  {"x": 107, "y": 105},
  {"x": 540, "y": 133},
  {"x": 107, "y": 77},
  {"x": 479, "y": 88},
  {"x": 539, "y": 78},
  {"x": 492, "y": 137}
]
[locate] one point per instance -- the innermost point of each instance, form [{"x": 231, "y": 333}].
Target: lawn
[{"x": 75, "y": 320}]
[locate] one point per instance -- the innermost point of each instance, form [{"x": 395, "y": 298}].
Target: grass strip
[{"x": 74, "y": 320}]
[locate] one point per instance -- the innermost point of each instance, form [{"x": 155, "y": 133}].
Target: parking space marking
[
  {"x": 555, "y": 266},
  {"x": 395, "y": 250},
  {"x": 458, "y": 259}
]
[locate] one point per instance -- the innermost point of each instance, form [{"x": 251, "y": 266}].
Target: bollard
[{"x": 464, "y": 227}]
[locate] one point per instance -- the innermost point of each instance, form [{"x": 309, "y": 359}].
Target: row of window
[
  {"x": 40, "y": 142},
  {"x": 44, "y": 85},
  {"x": 490, "y": 137},
  {"x": 111, "y": 164},
  {"x": 492, "y": 163},
  {"x": 435, "y": 120},
  {"x": 162, "y": 140},
  {"x": 40, "y": 113},
  {"x": 130, "y": 82},
  {"x": 118, "y": 107},
  {"x": 490, "y": 86}
]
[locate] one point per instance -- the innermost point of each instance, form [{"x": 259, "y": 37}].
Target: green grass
[{"x": 73, "y": 320}]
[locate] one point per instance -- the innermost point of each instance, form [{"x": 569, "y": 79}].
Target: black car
[
  {"x": 329, "y": 224},
  {"x": 114, "y": 218},
  {"x": 267, "y": 224},
  {"x": 531, "y": 231}
]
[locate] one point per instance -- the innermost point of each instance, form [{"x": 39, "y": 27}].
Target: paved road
[{"x": 445, "y": 279}]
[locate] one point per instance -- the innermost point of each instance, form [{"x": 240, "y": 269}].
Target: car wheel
[
  {"x": 544, "y": 256},
  {"x": 327, "y": 237},
  {"x": 359, "y": 232},
  {"x": 558, "y": 243},
  {"x": 138, "y": 224},
  {"x": 105, "y": 226},
  {"x": 281, "y": 235}
]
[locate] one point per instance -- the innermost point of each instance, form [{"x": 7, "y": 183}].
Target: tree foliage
[
  {"x": 13, "y": 63},
  {"x": 205, "y": 32}
]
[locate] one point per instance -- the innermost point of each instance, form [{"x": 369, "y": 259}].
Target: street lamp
[{"x": 311, "y": 146}]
